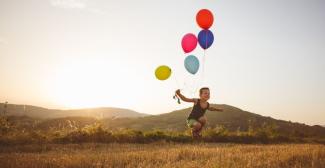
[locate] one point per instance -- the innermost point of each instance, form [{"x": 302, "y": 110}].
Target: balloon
[
  {"x": 163, "y": 72},
  {"x": 205, "y": 38},
  {"x": 191, "y": 64},
  {"x": 204, "y": 18},
  {"x": 189, "y": 42}
]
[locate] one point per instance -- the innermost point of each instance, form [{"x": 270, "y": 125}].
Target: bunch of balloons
[{"x": 204, "y": 19}]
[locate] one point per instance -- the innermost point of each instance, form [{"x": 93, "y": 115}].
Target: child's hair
[{"x": 204, "y": 88}]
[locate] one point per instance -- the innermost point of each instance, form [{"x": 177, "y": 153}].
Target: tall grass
[
  {"x": 163, "y": 155},
  {"x": 97, "y": 133}
]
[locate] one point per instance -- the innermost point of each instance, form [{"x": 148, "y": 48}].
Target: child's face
[{"x": 205, "y": 95}]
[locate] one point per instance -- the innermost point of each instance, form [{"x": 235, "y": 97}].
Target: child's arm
[
  {"x": 179, "y": 94},
  {"x": 215, "y": 109}
]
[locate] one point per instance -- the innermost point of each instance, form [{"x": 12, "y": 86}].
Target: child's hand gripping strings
[{"x": 176, "y": 96}]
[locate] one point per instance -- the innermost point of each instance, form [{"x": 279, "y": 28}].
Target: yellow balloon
[{"x": 163, "y": 72}]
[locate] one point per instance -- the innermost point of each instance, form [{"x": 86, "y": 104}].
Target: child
[{"x": 196, "y": 120}]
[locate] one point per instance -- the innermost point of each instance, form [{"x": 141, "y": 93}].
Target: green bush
[{"x": 98, "y": 133}]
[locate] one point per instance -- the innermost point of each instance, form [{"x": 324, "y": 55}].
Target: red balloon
[{"x": 204, "y": 18}]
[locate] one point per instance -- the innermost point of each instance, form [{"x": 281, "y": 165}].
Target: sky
[{"x": 268, "y": 56}]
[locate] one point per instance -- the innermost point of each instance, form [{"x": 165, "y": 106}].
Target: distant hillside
[
  {"x": 39, "y": 112},
  {"x": 232, "y": 118}
]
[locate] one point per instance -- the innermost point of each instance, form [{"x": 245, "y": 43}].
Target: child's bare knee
[
  {"x": 202, "y": 120},
  {"x": 197, "y": 126}
]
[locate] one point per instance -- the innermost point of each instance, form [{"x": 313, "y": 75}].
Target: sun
[
  {"x": 102, "y": 82},
  {"x": 84, "y": 83}
]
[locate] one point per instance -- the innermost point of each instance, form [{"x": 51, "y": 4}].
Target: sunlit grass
[{"x": 163, "y": 155}]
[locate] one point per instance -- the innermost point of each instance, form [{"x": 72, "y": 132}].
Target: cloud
[
  {"x": 75, "y": 4},
  {"x": 68, "y": 4}
]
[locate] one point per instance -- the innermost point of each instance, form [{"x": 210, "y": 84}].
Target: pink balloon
[{"x": 189, "y": 42}]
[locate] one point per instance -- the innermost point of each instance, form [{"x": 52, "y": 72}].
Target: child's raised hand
[{"x": 178, "y": 92}]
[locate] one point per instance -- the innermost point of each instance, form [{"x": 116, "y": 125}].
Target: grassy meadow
[
  {"x": 86, "y": 142},
  {"x": 162, "y": 154}
]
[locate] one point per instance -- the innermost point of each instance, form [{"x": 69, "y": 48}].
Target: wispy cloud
[
  {"x": 75, "y": 4},
  {"x": 69, "y": 4}
]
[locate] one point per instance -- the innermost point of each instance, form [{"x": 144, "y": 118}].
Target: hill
[
  {"x": 44, "y": 113},
  {"x": 232, "y": 118}
]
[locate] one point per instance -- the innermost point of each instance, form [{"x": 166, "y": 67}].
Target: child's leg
[
  {"x": 195, "y": 127},
  {"x": 202, "y": 120}
]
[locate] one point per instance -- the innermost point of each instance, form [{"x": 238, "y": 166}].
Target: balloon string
[
  {"x": 176, "y": 81},
  {"x": 203, "y": 60},
  {"x": 201, "y": 75},
  {"x": 178, "y": 87},
  {"x": 203, "y": 65}
]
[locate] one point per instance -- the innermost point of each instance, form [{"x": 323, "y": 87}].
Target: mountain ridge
[
  {"x": 232, "y": 118},
  {"x": 44, "y": 113}
]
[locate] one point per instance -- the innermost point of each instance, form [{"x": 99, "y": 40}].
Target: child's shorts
[{"x": 191, "y": 122}]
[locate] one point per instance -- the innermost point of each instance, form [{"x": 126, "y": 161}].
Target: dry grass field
[{"x": 163, "y": 155}]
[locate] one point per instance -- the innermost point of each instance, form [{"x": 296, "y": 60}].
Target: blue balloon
[
  {"x": 192, "y": 64},
  {"x": 205, "y": 38}
]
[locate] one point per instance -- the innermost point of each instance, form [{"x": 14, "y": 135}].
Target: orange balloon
[{"x": 204, "y": 18}]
